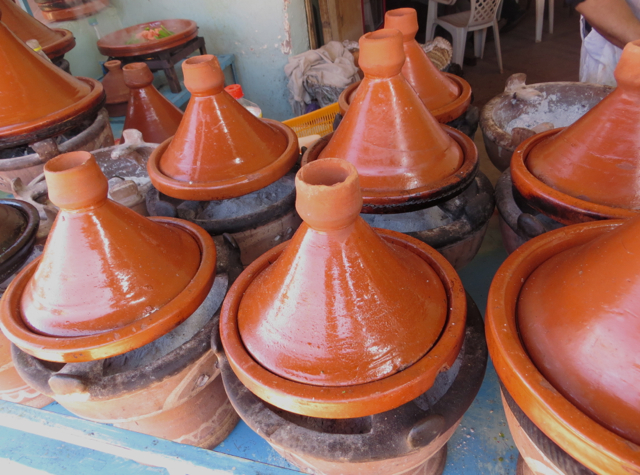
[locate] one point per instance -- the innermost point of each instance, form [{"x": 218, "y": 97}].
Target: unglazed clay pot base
[
  {"x": 108, "y": 311},
  {"x": 403, "y": 200},
  {"x": 147, "y": 110},
  {"x": 220, "y": 150},
  {"x": 313, "y": 370},
  {"x": 54, "y": 42},
  {"x": 29, "y": 111},
  {"x": 518, "y": 221},
  {"x": 581, "y": 436},
  {"x": 257, "y": 221},
  {"x": 410, "y": 439}
]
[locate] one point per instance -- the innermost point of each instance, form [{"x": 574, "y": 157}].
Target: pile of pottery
[
  {"x": 225, "y": 169},
  {"x": 133, "y": 347},
  {"x": 446, "y": 95},
  {"x": 37, "y": 124},
  {"x": 584, "y": 172},
  {"x": 350, "y": 349},
  {"x": 418, "y": 176},
  {"x": 54, "y": 42}
]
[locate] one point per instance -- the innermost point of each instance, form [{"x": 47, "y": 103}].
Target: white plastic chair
[
  {"x": 540, "y": 18},
  {"x": 483, "y": 14}
]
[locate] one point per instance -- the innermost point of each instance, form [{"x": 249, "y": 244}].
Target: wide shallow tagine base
[
  {"x": 356, "y": 400},
  {"x": 583, "y": 438}
]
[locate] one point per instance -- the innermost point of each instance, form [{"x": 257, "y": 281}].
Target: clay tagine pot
[
  {"x": 220, "y": 150},
  {"x": 38, "y": 99},
  {"x": 116, "y": 89},
  {"x": 70, "y": 10},
  {"x": 588, "y": 170},
  {"x": 55, "y": 42},
  {"x": 119, "y": 45},
  {"x": 69, "y": 305},
  {"x": 447, "y": 96},
  {"x": 353, "y": 285},
  {"x": 562, "y": 332},
  {"x": 406, "y": 159},
  {"x": 17, "y": 235},
  {"x": 148, "y": 110}
]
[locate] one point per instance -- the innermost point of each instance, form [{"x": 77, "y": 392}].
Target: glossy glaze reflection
[
  {"x": 596, "y": 159},
  {"x": 434, "y": 88},
  {"x": 388, "y": 133},
  {"x": 220, "y": 149},
  {"x": 578, "y": 317},
  {"x": 148, "y": 110},
  {"x": 104, "y": 266},
  {"x": 34, "y": 93}
]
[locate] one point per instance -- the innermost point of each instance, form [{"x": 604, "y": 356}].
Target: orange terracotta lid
[
  {"x": 124, "y": 43},
  {"x": 109, "y": 280},
  {"x": 220, "y": 149},
  {"x": 445, "y": 97},
  {"x": 342, "y": 321},
  {"x": 590, "y": 169},
  {"x": 401, "y": 152},
  {"x": 38, "y": 99},
  {"x": 54, "y": 42},
  {"x": 562, "y": 331},
  {"x": 147, "y": 109}
]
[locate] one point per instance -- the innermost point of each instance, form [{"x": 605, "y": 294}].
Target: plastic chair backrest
[{"x": 483, "y": 11}]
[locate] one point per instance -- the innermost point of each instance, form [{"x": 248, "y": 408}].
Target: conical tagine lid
[
  {"x": 578, "y": 319},
  {"x": 54, "y": 42},
  {"x": 35, "y": 94},
  {"x": 104, "y": 266},
  {"x": 434, "y": 88},
  {"x": 597, "y": 159},
  {"x": 340, "y": 306},
  {"x": 147, "y": 110},
  {"x": 388, "y": 133},
  {"x": 220, "y": 149}
]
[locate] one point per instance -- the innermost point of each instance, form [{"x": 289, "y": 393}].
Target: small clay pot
[
  {"x": 116, "y": 89},
  {"x": 30, "y": 112},
  {"x": 148, "y": 111},
  {"x": 54, "y": 42},
  {"x": 342, "y": 360},
  {"x": 107, "y": 310},
  {"x": 220, "y": 150}
]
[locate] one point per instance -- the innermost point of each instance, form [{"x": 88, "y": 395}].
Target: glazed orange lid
[
  {"x": 36, "y": 95},
  {"x": 593, "y": 165},
  {"x": 54, "y": 42},
  {"x": 442, "y": 94},
  {"x": 147, "y": 109},
  {"x": 401, "y": 152},
  {"x": 342, "y": 306},
  {"x": 578, "y": 317},
  {"x": 575, "y": 375},
  {"x": 220, "y": 149},
  {"x": 109, "y": 280}
]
